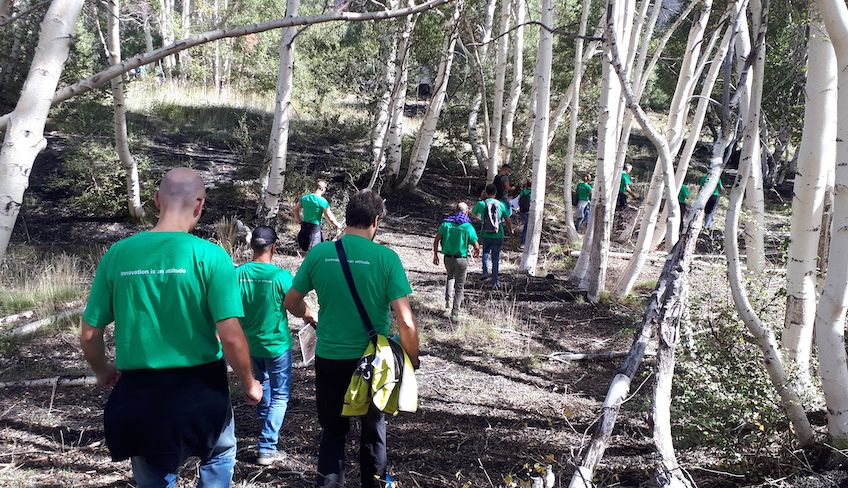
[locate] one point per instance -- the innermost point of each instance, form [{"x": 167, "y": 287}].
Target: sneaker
[
  {"x": 269, "y": 458},
  {"x": 454, "y": 318},
  {"x": 447, "y": 304}
]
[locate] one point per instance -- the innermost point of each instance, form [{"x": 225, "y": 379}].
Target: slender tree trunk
[
  {"x": 166, "y": 30},
  {"x": 278, "y": 145},
  {"x": 424, "y": 139},
  {"x": 24, "y": 136},
  {"x": 394, "y": 141},
  {"x": 500, "y": 80},
  {"x": 148, "y": 32},
  {"x": 751, "y": 147},
  {"x": 517, "y": 78},
  {"x": 544, "y": 56},
  {"x": 382, "y": 116},
  {"x": 833, "y": 303},
  {"x": 481, "y": 148},
  {"x": 184, "y": 57},
  {"x": 122, "y": 147},
  {"x": 218, "y": 72},
  {"x": 571, "y": 150},
  {"x": 815, "y": 158}
]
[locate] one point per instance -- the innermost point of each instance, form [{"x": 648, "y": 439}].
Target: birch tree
[
  {"x": 394, "y": 138},
  {"x": 816, "y": 158},
  {"x": 386, "y": 86},
  {"x": 496, "y": 126},
  {"x": 477, "y": 57},
  {"x": 24, "y": 136},
  {"x": 122, "y": 147},
  {"x": 427, "y": 131},
  {"x": 518, "y": 8},
  {"x": 278, "y": 144},
  {"x": 544, "y": 58},
  {"x": 833, "y": 303}
]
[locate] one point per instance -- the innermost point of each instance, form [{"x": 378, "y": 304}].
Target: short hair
[
  {"x": 362, "y": 208},
  {"x": 506, "y": 166},
  {"x": 491, "y": 189}
]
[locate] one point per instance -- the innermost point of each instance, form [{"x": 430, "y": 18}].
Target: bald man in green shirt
[{"x": 455, "y": 234}]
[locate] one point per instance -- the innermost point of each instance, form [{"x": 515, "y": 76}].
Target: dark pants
[
  {"x": 622, "y": 201},
  {"x": 309, "y": 236},
  {"x": 332, "y": 377}
]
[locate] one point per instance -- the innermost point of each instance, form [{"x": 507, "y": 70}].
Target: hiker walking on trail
[
  {"x": 524, "y": 208},
  {"x": 584, "y": 196},
  {"x": 495, "y": 216},
  {"x": 314, "y": 207},
  {"x": 624, "y": 189},
  {"x": 381, "y": 283},
  {"x": 682, "y": 195},
  {"x": 455, "y": 234},
  {"x": 263, "y": 287},
  {"x": 502, "y": 183},
  {"x": 175, "y": 303},
  {"x": 709, "y": 208}
]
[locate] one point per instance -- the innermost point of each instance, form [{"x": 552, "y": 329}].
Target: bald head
[
  {"x": 180, "y": 190},
  {"x": 462, "y": 207}
]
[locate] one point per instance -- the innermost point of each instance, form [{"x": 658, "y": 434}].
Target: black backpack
[
  {"x": 524, "y": 202},
  {"x": 498, "y": 182},
  {"x": 492, "y": 217}
]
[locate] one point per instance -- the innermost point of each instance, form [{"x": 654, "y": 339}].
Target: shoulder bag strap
[{"x": 363, "y": 314}]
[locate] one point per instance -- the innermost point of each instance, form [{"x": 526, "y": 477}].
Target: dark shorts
[
  {"x": 309, "y": 236},
  {"x": 711, "y": 203}
]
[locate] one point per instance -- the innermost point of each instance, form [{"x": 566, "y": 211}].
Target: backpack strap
[{"x": 360, "y": 307}]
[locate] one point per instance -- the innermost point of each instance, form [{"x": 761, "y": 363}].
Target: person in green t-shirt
[
  {"x": 682, "y": 195},
  {"x": 495, "y": 216},
  {"x": 624, "y": 189},
  {"x": 314, "y": 207},
  {"x": 175, "y": 304},
  {"x": 709, "y": 208},
  {"x": 382, "y": 284},
  {"x": 455, "y": 234},
  {"x": 263, "y": 287},
  {"x": 584, "y": 196}
]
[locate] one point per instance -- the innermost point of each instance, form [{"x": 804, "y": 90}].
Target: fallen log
[
  {"x": 15, "y": 317},
  {"x": 33, "y": 327},
  {"x": 566, "y": 356},
  {"x": 64, "y": 380}
]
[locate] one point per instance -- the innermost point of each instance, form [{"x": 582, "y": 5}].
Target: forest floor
[{"x": 494, "y": 405}]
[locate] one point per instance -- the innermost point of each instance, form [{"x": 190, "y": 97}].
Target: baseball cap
[{"x": 263, "y": 236}]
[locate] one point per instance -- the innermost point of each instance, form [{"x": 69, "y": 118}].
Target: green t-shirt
[
  {"x": 625, "y": 182},
  {"x": 165, "y": 291},
  {"x": 266, "y": 325},
  {"x": 719, "y": 185},
  {"x": 684, "y": 193},
  {"x": 584, "y": 192},
  {"x": 380, "y": 279},
  {"x": 480, "y": 210},
  {"x": 457, "y": 238},
  {"x": 313, "y": 208}
]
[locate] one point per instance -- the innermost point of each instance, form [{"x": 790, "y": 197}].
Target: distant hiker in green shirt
[
  {"x": 314, "y": 207},
  {"x": 584, "y": 196},
  {"x": 263, "y": 287},
  {"x": 175, "y": 303},
  {"x": 709, "y": 208},
  {"x": 624, "y": 189},
  {"x": 455, "y": 234},
  {"x": 495, "y": 215},
  {"x": 502, "y": 183},
  {"x": 524, "y": 199},
  {"x": 342, "y": 337},
  {"x": 682, "y": 195}
]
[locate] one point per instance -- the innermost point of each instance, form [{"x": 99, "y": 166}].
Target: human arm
[
  {"x": 436, "y": 242},
  {"x": 476, "y": 251},
  {"x": 407, "y": 329},
  {"x": 296, "y": 305},
  {"x": 332, "y": 218},
  {"x": 296, "y": 212},
  {"x": 94, "y": 351},
  {"x": 237, "y": 354}
]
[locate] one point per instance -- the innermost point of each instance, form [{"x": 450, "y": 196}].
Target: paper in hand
[{"x": 307, "y": 344}]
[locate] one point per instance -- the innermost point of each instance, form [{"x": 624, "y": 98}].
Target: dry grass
[
  {"x": 143, "y": 97},
  {"x": 41, "y": 285}
]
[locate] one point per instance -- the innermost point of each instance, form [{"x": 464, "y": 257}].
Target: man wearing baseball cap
[{"x": 263, "y": 287}]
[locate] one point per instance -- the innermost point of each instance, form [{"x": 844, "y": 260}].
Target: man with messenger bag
[{"x": 347, "y": 323}]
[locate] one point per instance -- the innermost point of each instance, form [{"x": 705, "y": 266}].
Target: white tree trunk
[
  {"x": 571, "y": 149},
  {"x": 122, "y": 146},
  {"x": 603, "y": 199},
  {"x": 496, "y": 126},
  {"x": 478, "y": 55},
  {"x": 394, "y": 140},
  {"x": 166, "y": 30},
  {"x": 382, "y": 116},
  {"x": 517, "y": 78},
  {"x": 751, "y": 149},
  {"x": 833, "y": 303},
  {"x": 278, "y": 144},
  {"x": 24, "y": 137},
  {"x": 184, "y": 57},
  {"x": 765, "y": 339},
  {"x": 544, "y": 56},
  {"x": 424, "y": 138},
  {"x": 816, "y": 157}
]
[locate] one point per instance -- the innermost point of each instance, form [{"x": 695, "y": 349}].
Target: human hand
[
  {"x": 436, "y": 259},
  {"x": 253, "y": 392},
  {"x": 310, "y": 318},
  {"x": 416, "y": 362},
  {"x": 109, "y": 376},
  {"x": 476, "y": 252}
]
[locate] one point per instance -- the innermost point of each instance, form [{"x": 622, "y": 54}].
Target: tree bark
[
  {"x": 833, "y": 303},
  {"x": 24, "y": 136},
  {"x": 122, "y": 146},
  {"x": 544, "y": 56},
  {"x": 424, "y": 139},
  {"x": 496, "y": 126},
  {"x": 278, "y": 145},
  {"x": 395, "y": 135},
  {"x": 166, "y": 30},
  {"x": 517, "y": 79},
  {"x": 379, "y": 130},
  {"x": 478, "y": 55},
  {"x": 815, "y": 158}
]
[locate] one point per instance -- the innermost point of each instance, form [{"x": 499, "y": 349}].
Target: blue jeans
[
  {"x": 275, "y": 376},
  {"x": 525, "y": 218},
  {"x": 492, "y": 246},
  {"x": 216, "y": 471}
]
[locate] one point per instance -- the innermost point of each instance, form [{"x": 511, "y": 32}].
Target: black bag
[
  {"x": 524, "y": 203},
  {"x": 492, "y": 218},
  {"x": 499, "y": 184}
]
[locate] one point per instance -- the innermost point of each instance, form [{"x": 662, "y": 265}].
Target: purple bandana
[{"x": 458, "y": 218}]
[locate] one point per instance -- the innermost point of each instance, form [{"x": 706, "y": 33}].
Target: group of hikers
[{"x": 180, "y": 308}]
